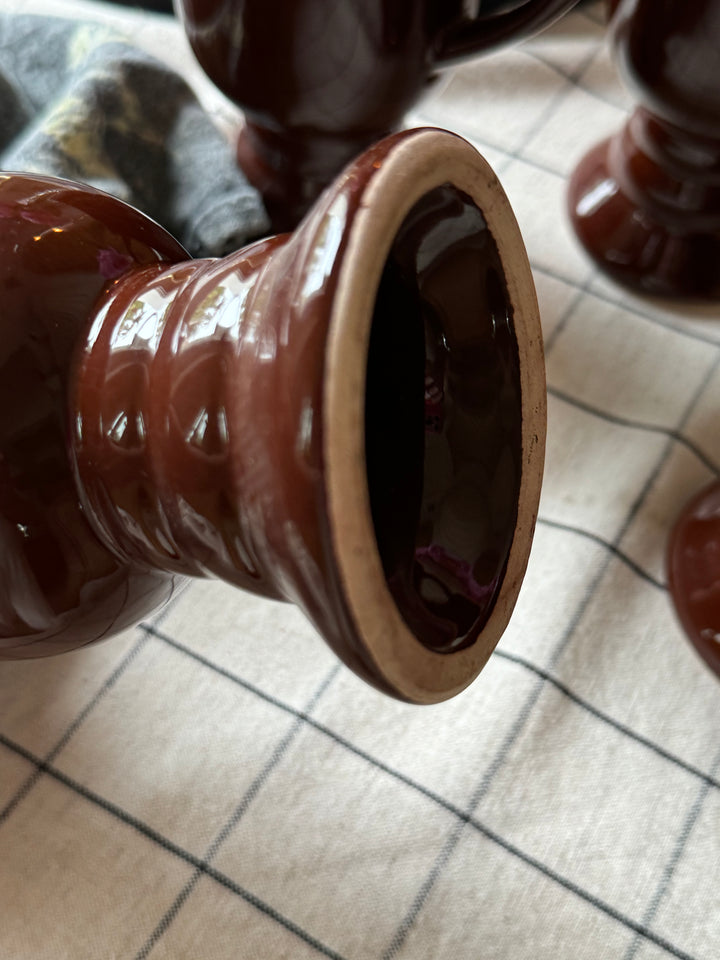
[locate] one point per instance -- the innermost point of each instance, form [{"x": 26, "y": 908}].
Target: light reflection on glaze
[{"x": 59, "y": 586}]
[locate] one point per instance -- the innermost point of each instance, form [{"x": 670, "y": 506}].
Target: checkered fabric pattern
[{"x": 214, "y": 786}]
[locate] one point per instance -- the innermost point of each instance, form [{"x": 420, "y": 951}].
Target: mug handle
[{"x": 479, "y": 33}]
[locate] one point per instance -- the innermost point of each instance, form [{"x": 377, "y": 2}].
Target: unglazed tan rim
[{"x": 415, "y": 165}]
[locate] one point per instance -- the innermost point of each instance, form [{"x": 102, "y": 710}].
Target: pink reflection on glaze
[
  {"x": 10, "y": 212},
  {"x": 461, "y": 570},
  {"x": 113, "y": 264}
]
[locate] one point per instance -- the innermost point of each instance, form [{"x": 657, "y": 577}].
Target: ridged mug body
[
  {"x": 212, "y": 372},
  {"x": 350, "y": 418}
]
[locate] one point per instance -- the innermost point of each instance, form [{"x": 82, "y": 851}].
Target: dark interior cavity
[{"x": 443, "y": 420}]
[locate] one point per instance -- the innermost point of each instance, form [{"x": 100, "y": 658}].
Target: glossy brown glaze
[
  {"x": 59, "y": 248},
  {"x": 443, "y": 430},
  {"x": 646, "y": 202},
  {"x": 319, "y": 81},
  {"x": 172, "y": 418},
  {"x": 694, "y": 573}
]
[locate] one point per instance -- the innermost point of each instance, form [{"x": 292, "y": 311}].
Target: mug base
[{"x": 631, "y": 245}]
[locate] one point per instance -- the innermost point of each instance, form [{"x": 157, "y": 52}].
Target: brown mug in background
[
  {"x": 645, "y": 203},
  {"x": 319, "y": 80}
]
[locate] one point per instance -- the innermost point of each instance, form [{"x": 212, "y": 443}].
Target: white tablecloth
[{"x": 214, "y": 786}]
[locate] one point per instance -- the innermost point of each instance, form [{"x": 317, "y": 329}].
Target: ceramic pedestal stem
[
  {"x": 350, "y": 417},
  {"x": 646, "y": 202}
]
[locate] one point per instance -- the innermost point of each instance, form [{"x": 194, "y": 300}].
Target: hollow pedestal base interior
[
  {"x": 631, "y": 244},
  {"x": 694, "y": 573},
  {"x": 443, "y": 421}
]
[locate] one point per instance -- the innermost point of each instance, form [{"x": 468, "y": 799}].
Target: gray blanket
[{"x": 78, "y": 100}]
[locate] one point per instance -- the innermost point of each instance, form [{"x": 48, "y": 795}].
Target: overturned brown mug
[
  {"x": 320, "y": 80},
  {"x": 351, "y": 417}
]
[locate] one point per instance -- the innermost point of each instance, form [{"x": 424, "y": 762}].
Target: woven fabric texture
[
  {"x": 214, "y": 786},
  {"x": 79, "y": 100}
]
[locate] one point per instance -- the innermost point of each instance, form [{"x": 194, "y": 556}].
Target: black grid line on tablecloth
[
  {"x": 571, "y": 81},
  {"x": 116, "y": 673},
  {"x": 517, "y": 155},
  {"x": 606, "y": 545},
  {"x": 464, "y": 819},
  {"x": 631, "y": 304},
  {"x": 168, "y": 845},
  {"x": 598, "y": 17},
  {"x": 675, "y": 857},
  {"x": 74, "y": 726},
  {"x": 410, "y": 919},
  {"x": 239, "y": 812},
  {"x": 707, "y": 779},
  {"x": 675, "y": 435},
  {"x": 568, "y": 313},
  {"x": 373, "y": 761},
  {"x": 508, "y": 154},
  {"x": 569, "y": 76}
]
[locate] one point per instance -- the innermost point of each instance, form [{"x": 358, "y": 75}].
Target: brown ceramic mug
[
  {"x": 320, "y": 80},
  {"x": 351, "y": 417},
  {"x": 693, "y": 569},
  {"x": 645, "y": 203}
]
